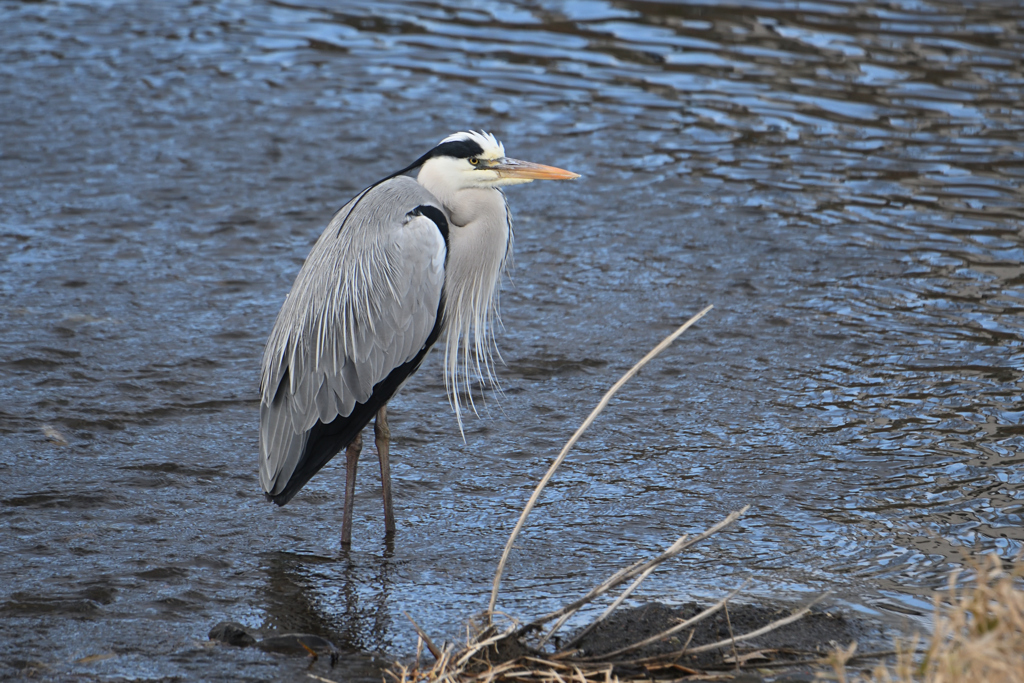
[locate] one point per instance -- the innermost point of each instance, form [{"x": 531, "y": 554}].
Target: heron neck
[
  {"x": 478, "y": 243},
  {"x": 480, "y": 233}
]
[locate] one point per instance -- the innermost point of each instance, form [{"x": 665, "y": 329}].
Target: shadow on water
[
  {"x": 346, "y": 600},
  {"x": 842, "y": 180}
]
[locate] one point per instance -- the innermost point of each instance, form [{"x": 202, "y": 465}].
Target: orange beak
[{"x": 514, "y": 168}]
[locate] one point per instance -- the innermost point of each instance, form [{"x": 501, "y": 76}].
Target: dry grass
[
  {"x": 518, "y": 652},
  {"x": 523, "y": 652},
  {"x": 978, "y": 634}
]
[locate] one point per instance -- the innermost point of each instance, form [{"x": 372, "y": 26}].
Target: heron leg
[
  {"x": 351, "y": 460},
  {"x": 382, "y": 437}
]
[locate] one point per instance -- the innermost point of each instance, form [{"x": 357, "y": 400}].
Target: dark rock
[
  {"x": 230, "y": 633},
  {"x": 814, "y": 635}
]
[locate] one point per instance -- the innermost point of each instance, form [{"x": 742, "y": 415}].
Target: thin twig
[
  {"x": 723, "y": 643},
  {"x": 575, "y": 437},
  {"x": 728, "y": 622},
  {"x": 761, "y": 631},
  {"x": 426, "y": 639},
  {"x": 813, "y": 659},
  {"x": 604, "y": 615},
  {"x": 476, "y": 647},
  {"x": 621, "y": 577},
  {"x": 675, "y": 629},
  {"x": 613, "y": 580}
]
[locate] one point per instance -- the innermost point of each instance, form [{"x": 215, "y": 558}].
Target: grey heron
[{"x": 402, "y": 264}]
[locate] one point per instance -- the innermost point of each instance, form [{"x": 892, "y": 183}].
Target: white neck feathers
[{"x": 479, "y": 239}]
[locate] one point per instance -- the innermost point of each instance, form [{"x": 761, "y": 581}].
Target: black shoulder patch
[{"x": 435, "y": 214}]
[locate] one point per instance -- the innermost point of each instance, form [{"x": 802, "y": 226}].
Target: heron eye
[{"x": 474, "y": 161}]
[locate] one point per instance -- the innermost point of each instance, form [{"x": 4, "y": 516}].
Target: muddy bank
[{"x": 815, "y": 635}]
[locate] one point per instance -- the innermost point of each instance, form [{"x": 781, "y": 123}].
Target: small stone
[{"x": 230, "y": 633}]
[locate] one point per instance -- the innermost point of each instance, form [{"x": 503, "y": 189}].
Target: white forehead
[{"x": 492, "y": 148}]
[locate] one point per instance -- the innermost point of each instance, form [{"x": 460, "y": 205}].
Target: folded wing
[{"x": 363, "y": 312}]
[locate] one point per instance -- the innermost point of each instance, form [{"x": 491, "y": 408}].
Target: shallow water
[{"x": 842, "y": 181}]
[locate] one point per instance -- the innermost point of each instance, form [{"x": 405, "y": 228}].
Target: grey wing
[{"x": 365, "y": 302}]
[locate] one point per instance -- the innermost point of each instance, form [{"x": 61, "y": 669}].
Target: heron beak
[{"x": 514, "y": 168}]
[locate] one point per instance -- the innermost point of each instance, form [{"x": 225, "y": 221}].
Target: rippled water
[{"x": 842, "y": 180}]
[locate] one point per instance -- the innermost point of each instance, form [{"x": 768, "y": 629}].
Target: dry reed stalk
[
  {"x": 978, "y": 633},
  {"x": 575, "y": 437},
  {"x": 640, "y": 567},
  {"x": 470, "y": 664},
  {"x": 611, "y": 608},
  {"x": 424, "y": 638},
  {"x": 668, "y": 633},
  {"x": 778, "y": 623}
]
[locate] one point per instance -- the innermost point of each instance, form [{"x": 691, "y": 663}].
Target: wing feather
[{"x": 364, "y": 303}]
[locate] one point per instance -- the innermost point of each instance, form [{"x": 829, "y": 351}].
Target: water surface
[{"x": 841, "y": 180}]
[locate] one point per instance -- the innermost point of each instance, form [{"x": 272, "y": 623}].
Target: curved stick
[{"x": 575, "y": 437}]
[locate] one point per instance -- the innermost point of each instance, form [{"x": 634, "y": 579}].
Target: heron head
[{"x": 477, "y": 160}]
